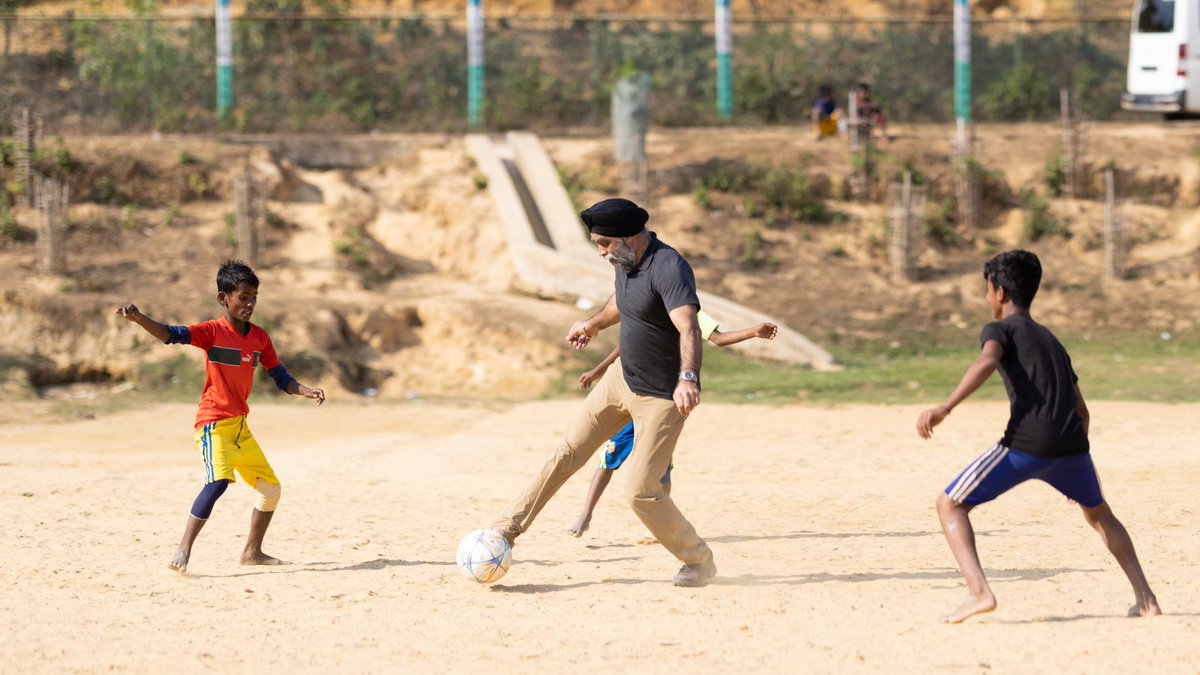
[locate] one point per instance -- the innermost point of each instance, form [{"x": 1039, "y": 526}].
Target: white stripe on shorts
[{"x": 977, "y": 472}]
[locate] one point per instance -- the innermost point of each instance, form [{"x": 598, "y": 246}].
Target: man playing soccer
[
  {"x": 1046, "y": 437},
  {"x": 657, "y": 386},
  {"x": 234, "y": 348},
  {"x": 617, "y": 448}
]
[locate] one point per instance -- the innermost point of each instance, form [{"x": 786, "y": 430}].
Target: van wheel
[{"x": 1175, "y": 116}]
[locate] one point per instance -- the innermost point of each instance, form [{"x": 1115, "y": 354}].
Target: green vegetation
[
  {"x": 1134, "y": 368},
  {"x": 106, "y": 192},
  {"x": 346, "y": 73},
  {"x": 1055, "y": 174},
  {"x": 1039, "y": 221},
  {"x": 129, "y": 219},
  {"x": 231, "y": 230},
  {"x": 198, "y": 185},
  {"x": 1143, "y": 368},
  {"x": 171, "y": 217},
  {"x": 939, "y": 221},
  {"x": 57, "y": 155},
  {"x": 1022, "y": 94},
  {"x": 8, "y": 223},
  {"x": 780, "y": 191}
]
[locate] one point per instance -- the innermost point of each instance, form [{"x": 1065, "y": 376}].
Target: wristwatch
[{"x": 688, "y": 376}]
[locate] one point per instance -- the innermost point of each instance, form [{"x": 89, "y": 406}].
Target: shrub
[
  {"x": 1022, "y": 94},
  {"x": 1039, "y": 221},
  {"x": 1055, "y": 174},
  {"x": 939, "y": 224}
]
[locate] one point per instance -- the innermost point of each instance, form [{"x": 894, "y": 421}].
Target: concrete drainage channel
[{"x": 553, "y": 257}]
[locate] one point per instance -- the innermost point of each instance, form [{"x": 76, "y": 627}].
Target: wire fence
[{"x": 297, "y": 73}]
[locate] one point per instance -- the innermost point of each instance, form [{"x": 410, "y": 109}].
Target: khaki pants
[{"x": 658, "y": 424}]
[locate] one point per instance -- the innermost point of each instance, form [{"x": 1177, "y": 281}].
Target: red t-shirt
[{"x": 229, "y": 368}]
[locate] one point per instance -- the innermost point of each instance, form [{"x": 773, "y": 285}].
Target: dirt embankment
[{"x": 393, "y": 279}]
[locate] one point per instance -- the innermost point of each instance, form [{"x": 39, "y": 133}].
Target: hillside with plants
[
  {"x": 391, "y": 278},
  {"x": 759, "y": 9},
  {"x": 335, "y": 71}
]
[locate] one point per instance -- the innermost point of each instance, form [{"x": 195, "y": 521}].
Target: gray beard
[{"x": 626, "y": 263}]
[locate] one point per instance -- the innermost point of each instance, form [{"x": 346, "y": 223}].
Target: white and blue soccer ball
[{"x": 484, "y": 556}]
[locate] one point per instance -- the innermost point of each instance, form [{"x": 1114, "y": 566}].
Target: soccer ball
[{"x": 484, "y": 556}]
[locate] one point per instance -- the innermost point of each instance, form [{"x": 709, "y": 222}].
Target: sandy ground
[{"x": 821, "y": 519}]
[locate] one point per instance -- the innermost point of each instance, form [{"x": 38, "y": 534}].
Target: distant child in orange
[
  {"x": 234, "y": 348},
  {"x": 1046, "y": 438},
  {"x": 617, "y": 449}
]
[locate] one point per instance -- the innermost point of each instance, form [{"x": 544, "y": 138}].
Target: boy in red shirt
[{"x": 234, "y": 348}]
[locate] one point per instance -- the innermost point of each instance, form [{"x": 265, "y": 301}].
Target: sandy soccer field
[{"x": 821, "y": 520}]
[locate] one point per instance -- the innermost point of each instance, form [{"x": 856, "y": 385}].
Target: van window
[{"x": 1155, "y": 16}]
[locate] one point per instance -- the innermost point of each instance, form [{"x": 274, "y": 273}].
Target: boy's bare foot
[
  {"x": 260, "y": 558},
  {"x": 179, "y": 562},
  {"x": 1148, "y": 607},
  {"x": 974, "y": 604},
  {"x": 580, "y": 526}
]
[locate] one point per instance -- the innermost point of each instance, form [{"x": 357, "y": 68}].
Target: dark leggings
[{"x": 209, "y": 494}]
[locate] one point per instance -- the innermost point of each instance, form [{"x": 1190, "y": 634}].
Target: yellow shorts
[
  {"x": 829, "y": 127},
  {"x": 228, "y": 445}
]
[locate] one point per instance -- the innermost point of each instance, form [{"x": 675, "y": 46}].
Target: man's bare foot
[
  {"x": 260, "y": 558},
  {"x": 580, "y": 526},
  {"x": 1148, "y": 607},
  {"x": 179, "y": 562},
  {"x": 974, "y": 604}
]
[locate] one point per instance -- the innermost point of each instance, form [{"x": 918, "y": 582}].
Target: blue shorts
[
  {"x": 617, "y": 450},
  {"x": 1000, "y": 469}
]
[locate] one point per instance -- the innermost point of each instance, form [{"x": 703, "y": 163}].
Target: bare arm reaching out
[
  {"x": 586, "y": 379},
  {"x": 766, "y": 331},
  {"x": 131, "y": 313},
  {"x": 973, "y": 379}
]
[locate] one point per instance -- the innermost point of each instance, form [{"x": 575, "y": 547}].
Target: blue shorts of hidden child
[
  {"x": 617, "y": 450},
  {"x": 1001, "y": 468}
]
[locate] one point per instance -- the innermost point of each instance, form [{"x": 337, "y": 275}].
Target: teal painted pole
[
  {"x": 724, "y": 61},
  {"x": 224, "y": 61},
  {"x": 475, "y": 61},
  {"x": 962, "y": 69}
]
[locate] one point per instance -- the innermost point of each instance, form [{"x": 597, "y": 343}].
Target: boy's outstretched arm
[
  {"x": 973, "y": 379},
  {"x": 586, "y": 379},
  {"x": 132, "y": 313},
  {"x": 315, "y": 393},
  {"x": 287, "y": 383},
  {"x": 766, "y": 331}
]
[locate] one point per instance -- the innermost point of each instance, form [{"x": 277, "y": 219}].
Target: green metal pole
[
  {"x": 724, "y": 61},
  {"x": 475, "y": 62},
  {"x": 962, "y": 69},
  {"x": 224, "y": 61}
]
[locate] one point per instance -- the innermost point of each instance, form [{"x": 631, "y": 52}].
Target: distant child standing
[
  {"x": 617, "y": 449},
  {"x": 234, "y": 348},
  {"x": 869, "y": 114},
  {"x": 1046, "y": 438}
]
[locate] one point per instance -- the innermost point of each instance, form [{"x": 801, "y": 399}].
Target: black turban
[{"x": 615, "y": 218}]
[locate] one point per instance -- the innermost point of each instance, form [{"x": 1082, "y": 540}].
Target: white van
[{"x": 1164, "y": 34}]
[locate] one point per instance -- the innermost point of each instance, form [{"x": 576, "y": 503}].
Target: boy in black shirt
[{"x": 1046, "y": 436}]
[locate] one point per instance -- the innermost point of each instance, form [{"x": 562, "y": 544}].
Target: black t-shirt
[
  {"x": 662, "y": 282},
  {"x": 1040, "y": 381}
]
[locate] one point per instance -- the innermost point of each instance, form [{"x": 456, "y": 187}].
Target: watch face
[{"x": 688, "y": 377}]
